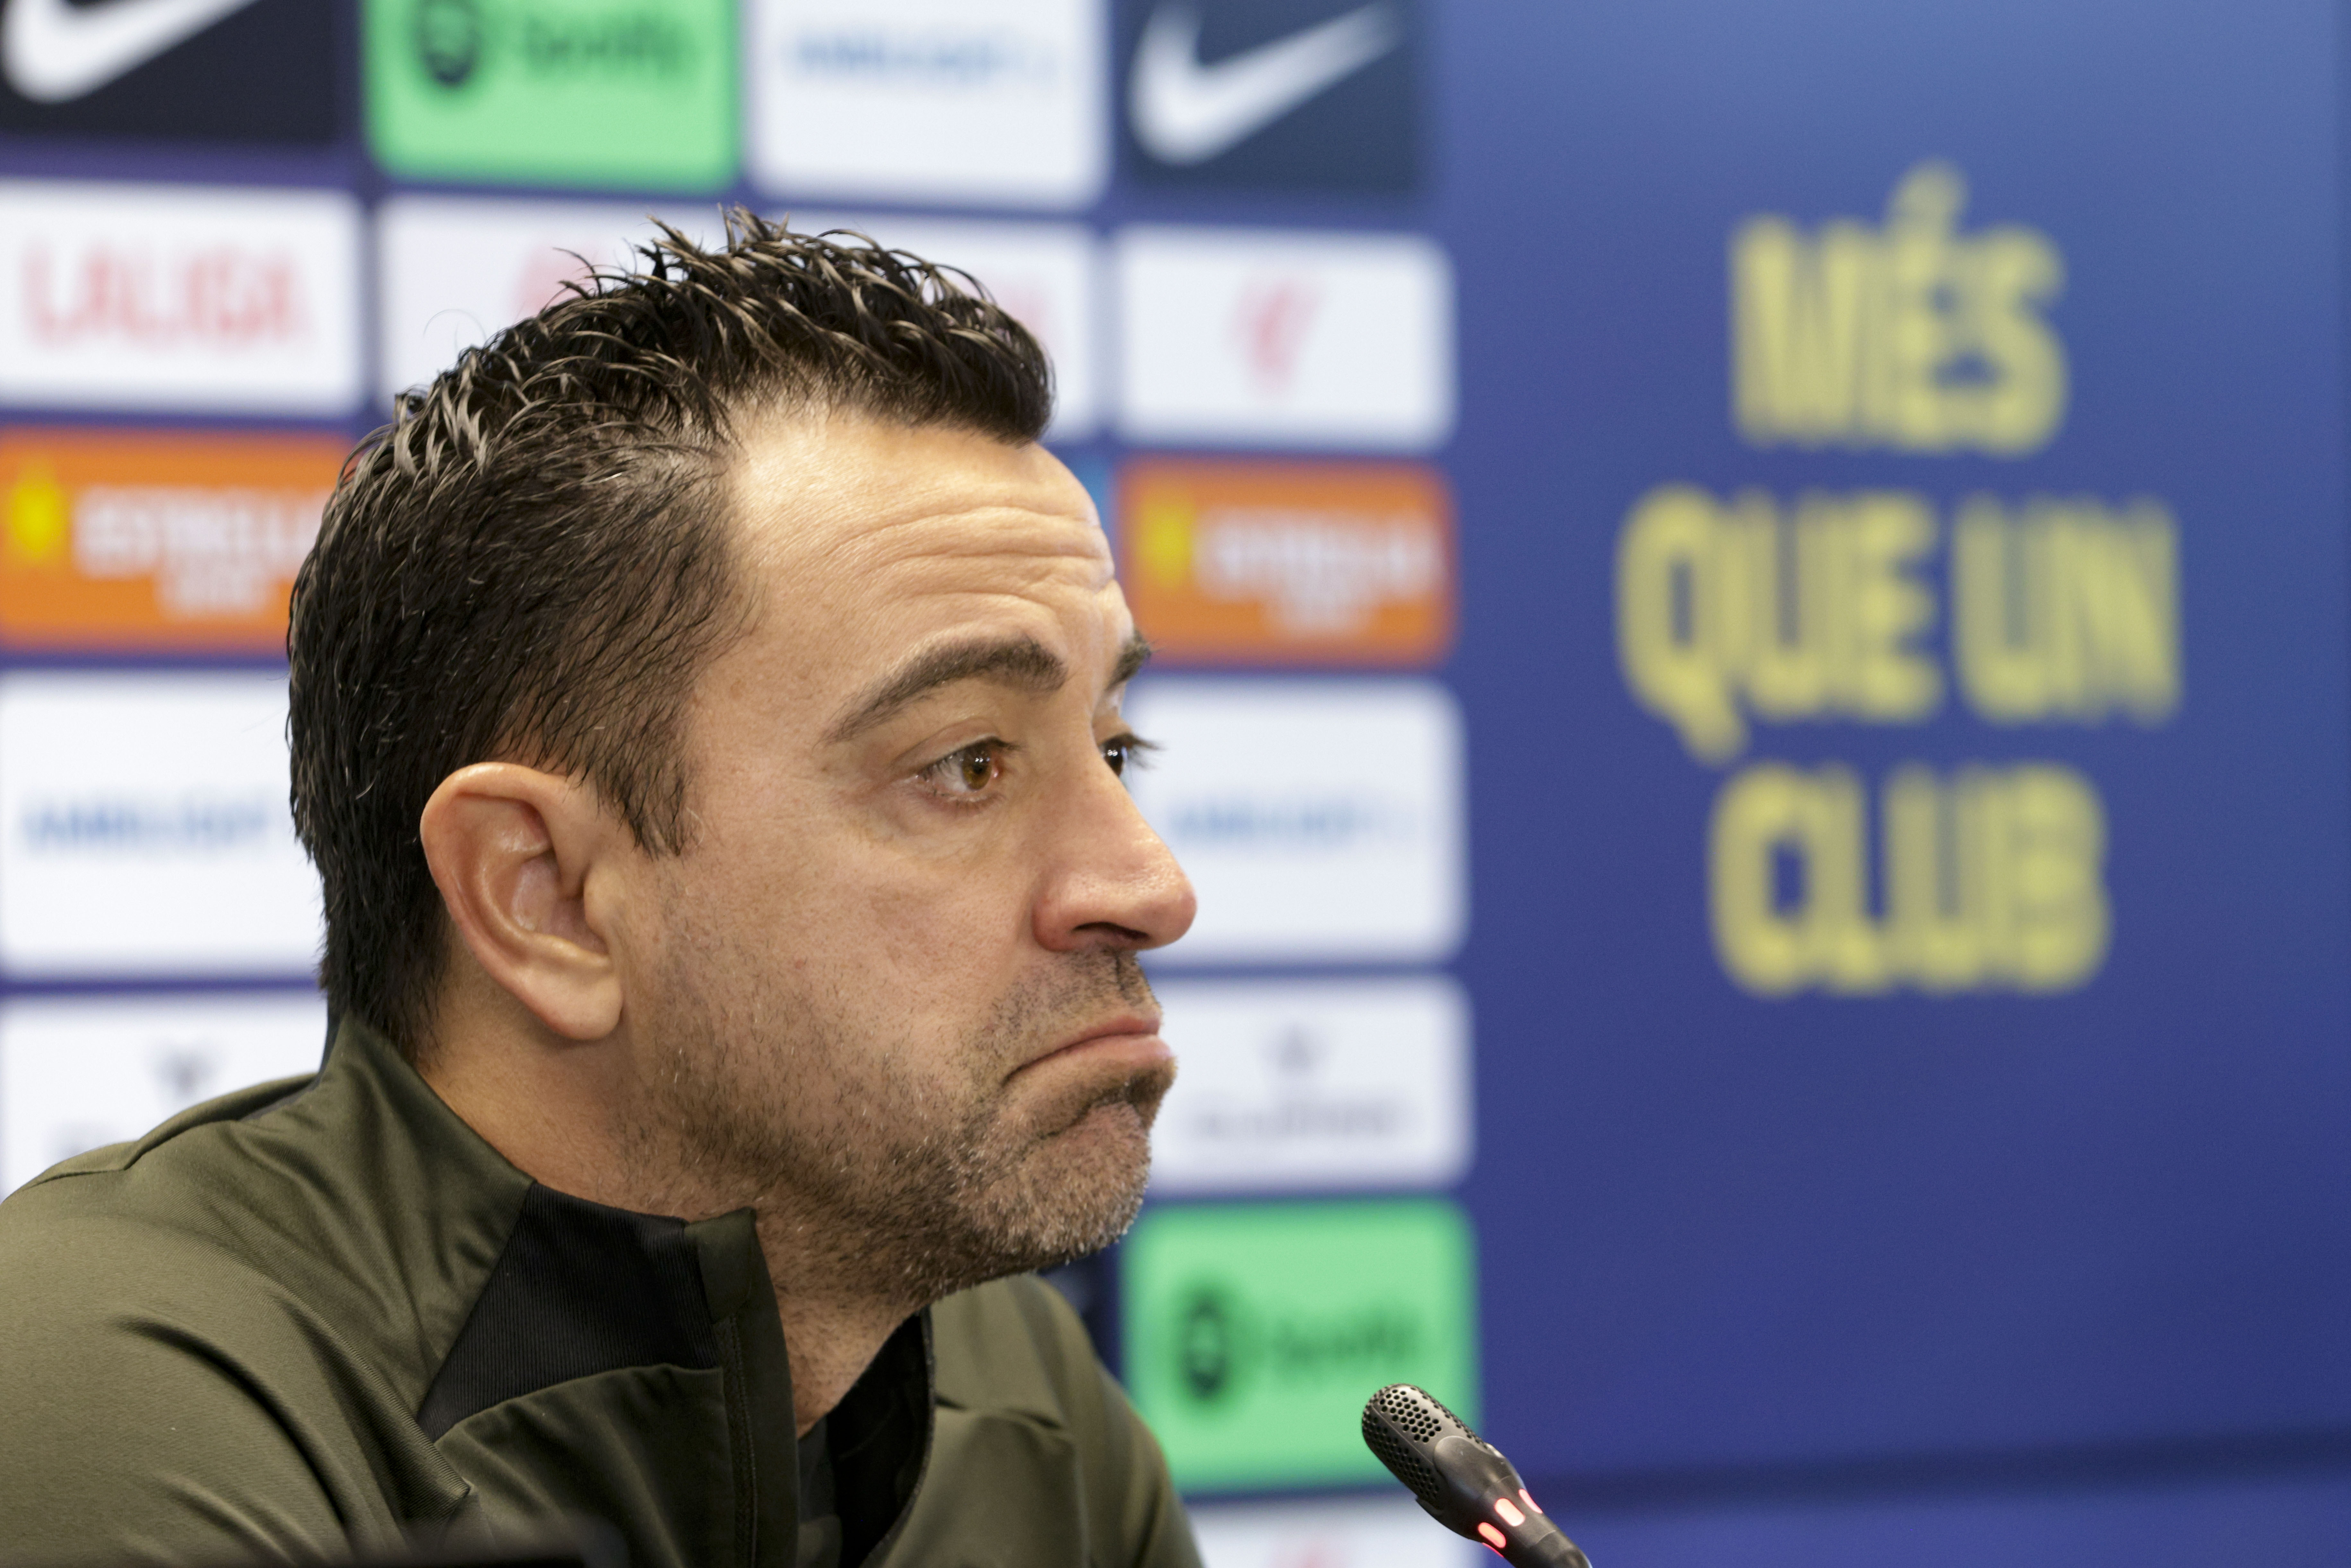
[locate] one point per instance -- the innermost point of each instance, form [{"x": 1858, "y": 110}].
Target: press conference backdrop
[{"x": 1752, "y": 618}]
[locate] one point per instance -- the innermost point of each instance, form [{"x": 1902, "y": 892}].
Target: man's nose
[{"x": 1111, "y": 882}]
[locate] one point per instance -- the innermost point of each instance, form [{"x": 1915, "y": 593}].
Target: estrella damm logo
[
  {"x": 153, "y": 541},
  {"x": 1289, "y": 563},
  {"x": 1914, "y": 336}
]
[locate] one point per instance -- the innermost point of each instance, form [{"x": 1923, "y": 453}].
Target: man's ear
[{"x": 527, "y": 864}]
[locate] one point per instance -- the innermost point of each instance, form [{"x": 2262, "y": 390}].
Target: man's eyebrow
[
  {"x": 1131, "y": 659},
  {"x": 1021, "y": 662}
]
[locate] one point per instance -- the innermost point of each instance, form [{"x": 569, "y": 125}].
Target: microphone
[{"x": 1462, "y": 1480}]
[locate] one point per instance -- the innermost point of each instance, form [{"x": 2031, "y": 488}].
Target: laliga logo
[{"x": 217, "y": 296}]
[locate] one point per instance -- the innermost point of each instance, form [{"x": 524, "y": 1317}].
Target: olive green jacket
[{"x": 324, "y": 1315}]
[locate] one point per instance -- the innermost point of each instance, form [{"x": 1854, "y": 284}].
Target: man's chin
[
  {"x": 1114, "y": 1132},
  {"x": 1077, "y": 1189},
  {"x": 1107, "y": 1144}
]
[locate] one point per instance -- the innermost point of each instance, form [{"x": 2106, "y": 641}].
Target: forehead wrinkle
[
  {"x": 978, "y": 580},
  {"x": 900, "y": 560},
  {"x": 980, "y": 533}
]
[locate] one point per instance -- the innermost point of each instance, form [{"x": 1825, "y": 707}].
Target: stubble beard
[{"x": 882, "y": 1183}]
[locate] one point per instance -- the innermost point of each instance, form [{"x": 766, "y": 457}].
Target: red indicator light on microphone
[
  {"x": 1532, "y": 1507},
  {"x": 1507, "y": 1512},
  {"x": 1494, "y": 1538}
]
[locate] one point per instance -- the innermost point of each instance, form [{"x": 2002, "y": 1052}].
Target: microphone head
[
  {"x": 1461, "y": 1481},
  {"x": 1400, "y": 1424}
]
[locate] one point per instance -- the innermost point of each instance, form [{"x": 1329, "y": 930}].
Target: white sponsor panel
[
  {"x": 1263, "y": 337},
  {"x": 1340, "y": 1533},
  {"x": 989, "y": 102},
  {"x": 1046, "y": 274},
  {"x": 1186, "y": 112},
  {"x": 80, "y": 1073},
  {"x": 1321, "y": 820},
  {"x": 144, "y": 828},
  {"x": 452, "y": 270},
  {"x": 1314, "y": 1085},
  {"x": 203, "y": 298}
]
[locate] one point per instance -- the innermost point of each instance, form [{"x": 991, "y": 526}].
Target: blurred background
[{"x": 1751, "y": 602}]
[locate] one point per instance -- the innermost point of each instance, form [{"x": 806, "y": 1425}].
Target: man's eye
[
  {"x": 1124, "y": 751},
  {"x": 968, "y": 771}
]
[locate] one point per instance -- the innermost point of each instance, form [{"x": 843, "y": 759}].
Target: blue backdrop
[{"x": 1721, "y": 1230}]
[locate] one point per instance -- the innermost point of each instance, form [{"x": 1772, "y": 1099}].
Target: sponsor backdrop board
[
  {"x": 1315, "y": 1085},
  {"x": 1349, "y": 1533},
  {"x": 78, "y": 1073},
  {"x": 155, "y": 539},
  {"x": 1252, "y": 1330},
  {"x": 962, "y": 102},
  {"x": 555, "y": 92},
  {"x": 1752, "y": 609},
  {"x": 144, "y": 828},
  {"x": 263, "y": 72},
  {"x": 1321, "y": 820},
  {"x": 189, "y": 298},
  {"x": 1289, "y": 563}
]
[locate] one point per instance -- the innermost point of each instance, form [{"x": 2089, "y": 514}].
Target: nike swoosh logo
[
  {"x": 1186, "y": 112},
  {"x": 51, "y": 52}
]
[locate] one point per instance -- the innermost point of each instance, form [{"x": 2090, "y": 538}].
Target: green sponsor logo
[
  {"x": 595, "y": 92},
  {"x": 1255, "y": 1331}
]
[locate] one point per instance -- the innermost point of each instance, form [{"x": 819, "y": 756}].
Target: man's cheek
[{"x": 921, "y": 925}]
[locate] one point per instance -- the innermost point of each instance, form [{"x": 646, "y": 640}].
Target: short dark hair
[{"x": 532, "y": 561}]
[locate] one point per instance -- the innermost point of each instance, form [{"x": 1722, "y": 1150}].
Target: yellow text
[
  {"x": 1990, "y": 879},
  {"x": 1747, "y": 609},
  {"x": 1911, "y": 336},
  {"x": 1805, "y": 611},
  {"x": 2067, "y": 610}
]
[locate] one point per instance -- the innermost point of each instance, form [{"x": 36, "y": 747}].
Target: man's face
[{"x": 894, "y": 992}]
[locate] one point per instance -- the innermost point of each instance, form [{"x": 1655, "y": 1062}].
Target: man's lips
[{"x": 1131, "y": 1042}]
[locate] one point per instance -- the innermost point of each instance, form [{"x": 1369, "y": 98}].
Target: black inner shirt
[
  {"x": 859, "y": 1465},
  {"x": 819, "y": 1545}
]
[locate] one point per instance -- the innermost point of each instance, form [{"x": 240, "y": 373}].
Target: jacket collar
[{"x": 556, "y": 1288}]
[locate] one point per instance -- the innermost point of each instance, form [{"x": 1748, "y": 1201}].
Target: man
[{"x": 705, "y": 721}]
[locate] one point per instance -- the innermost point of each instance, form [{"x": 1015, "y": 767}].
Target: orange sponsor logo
[
  {"x": 137, "y": 540},
  {"x": 1289, "y": 563}
]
